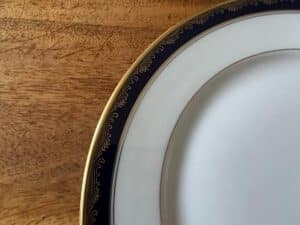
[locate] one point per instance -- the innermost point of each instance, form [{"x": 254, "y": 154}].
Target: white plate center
[{"x": 234, "y": 157}]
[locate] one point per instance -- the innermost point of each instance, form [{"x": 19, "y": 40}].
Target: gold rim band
[{"x": 106, "y": 113}]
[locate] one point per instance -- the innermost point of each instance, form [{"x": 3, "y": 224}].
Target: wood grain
[{"x": 59, "y": 62}]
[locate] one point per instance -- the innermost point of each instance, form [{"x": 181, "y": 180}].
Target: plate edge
[{"x": 118, "y": 98}]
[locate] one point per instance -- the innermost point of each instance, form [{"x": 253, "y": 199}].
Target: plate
[{"x": 204, "y": 127}]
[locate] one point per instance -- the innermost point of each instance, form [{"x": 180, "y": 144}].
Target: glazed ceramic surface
[{"x": 204, "y": 129}]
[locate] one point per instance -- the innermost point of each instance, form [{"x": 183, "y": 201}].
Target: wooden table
[{"x": 59, "y": 62}]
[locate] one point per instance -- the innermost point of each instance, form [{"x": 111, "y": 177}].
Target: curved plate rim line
[{"x": 94, "y": 203}]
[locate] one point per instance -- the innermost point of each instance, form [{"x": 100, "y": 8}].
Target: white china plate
[{"x": 213, "y": 137}]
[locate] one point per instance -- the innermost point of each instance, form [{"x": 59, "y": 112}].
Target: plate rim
[{"x": 155, "y": 54}]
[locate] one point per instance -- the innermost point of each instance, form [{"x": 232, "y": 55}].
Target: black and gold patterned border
[{"x": 97, "y": 181}]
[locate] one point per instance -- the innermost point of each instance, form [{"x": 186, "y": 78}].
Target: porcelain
[
  {"x": 234, "y": 154},
  {"x": 205, "y": 128}
]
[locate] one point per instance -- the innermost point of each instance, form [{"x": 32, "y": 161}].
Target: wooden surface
[{"x": 59, "y": 63}]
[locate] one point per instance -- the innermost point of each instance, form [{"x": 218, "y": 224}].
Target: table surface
[{"x": 59, "y": 63}]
